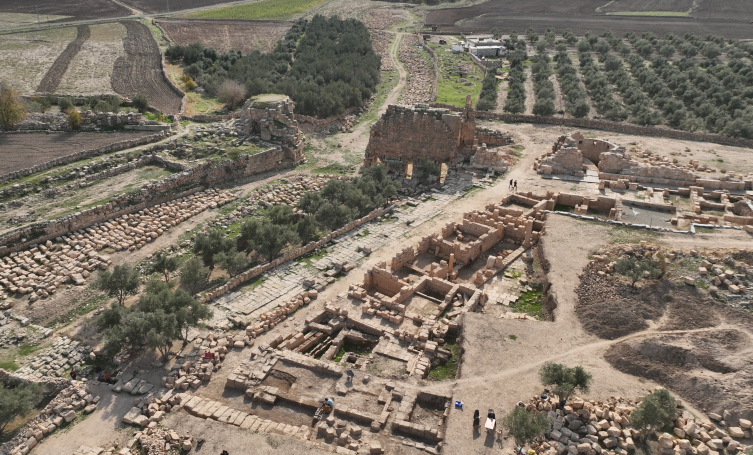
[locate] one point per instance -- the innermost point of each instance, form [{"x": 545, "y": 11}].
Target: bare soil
[
  {"x": 26, "y": 57},
  {"x": 649, "y": 5},
  {"x": 224, "y": 35},
  {"x": 54, "y": 75},
  {"x": 151, "y": 6},
  {"x": 77, "y": 9},
  {"x": 90, "y": 70},
  {"x": 19, "y": 151},
  {"x": 139, "y": 71},
  {"x": 582, "y": 17}
]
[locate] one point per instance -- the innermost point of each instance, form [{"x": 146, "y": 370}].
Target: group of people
[
  {"x": 101, "y": 374},
  {"x": 477, "y": 417},
  {"x": 513, "y": 185}
]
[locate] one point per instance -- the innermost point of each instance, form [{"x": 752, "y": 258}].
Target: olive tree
[
  {"x": 525, "y": 426},
  {"x": 120, "y": 283},
  {"x": 565, "y": 380},
  {"x": 654, "y": 412}
]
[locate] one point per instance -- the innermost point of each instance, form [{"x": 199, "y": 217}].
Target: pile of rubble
[
  {"x": 57, "y": 360},
  {"x": 718, "y": 272},
  {"x": 381, "y": 41},
  {"x": 41, "y": 270},
  {"x": 595, "y": 427},
  {"x": 59, "y": 412},
  {"x": 158, "y": 441},
  {"x": 380, "y": 19},
  {"x": 150, "y": 410},
  {"x": 212, "y": 349},
  {"x": 419, "y": 86},
  {"x": 268, "y": 321}
]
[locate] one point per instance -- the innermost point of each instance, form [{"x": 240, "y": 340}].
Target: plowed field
[
  {"x": 226, "y": 34},
  {"x": 71, "y": 10},
  {"x": 26, "y": 57},
  {"x": 139, "y": 71},
  {"x": 648, "y": 5},
  {"x": 19, "y": 151},
  {"x": 733, "y": 9},
  {"x": 54, "y": 75},
  {"x": 581, "y": 16}
]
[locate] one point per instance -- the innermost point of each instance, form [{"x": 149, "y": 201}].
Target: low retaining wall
[
  {"x": 82, "y": 155},
  {"x": 295, "y": 254},
  {"x": 176, "y": 186},
  {"x": 626, "y": 128}
]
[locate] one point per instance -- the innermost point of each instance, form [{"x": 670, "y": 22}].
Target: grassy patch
[
  {"x": 9, "y": 365},
  {"x": 335, "y": 169},
  {"x": 450, "y": 88},
  {"x": 631, "y": 235},
  {"x": 512, "y": 337},
  {"x": 704, "y": 230},
  {"x": 83, "y": 308},
  {"x": 531, "y": 302},
  {"x": 450, "y": 369},
  {"x": 351, "y": 347},
  {"x": 270, "y": 9}
]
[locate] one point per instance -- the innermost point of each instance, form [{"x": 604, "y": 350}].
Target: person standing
[
  {"x": 73, "y": 374},
  {"x": 510, "y": 187},
  {"x": 515, "y": 186}
]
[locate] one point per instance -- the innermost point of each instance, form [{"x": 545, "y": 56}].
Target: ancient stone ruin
[
  {"x": 406, "y": 134},
  {"x": 271, "y": 117}
]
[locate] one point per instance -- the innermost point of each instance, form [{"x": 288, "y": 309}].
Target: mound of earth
[{"x": 709, "y": 368}]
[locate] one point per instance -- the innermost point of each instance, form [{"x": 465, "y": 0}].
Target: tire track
[
  {"x": 55, "y": 74},
  {"x": 139, "y": 71}
]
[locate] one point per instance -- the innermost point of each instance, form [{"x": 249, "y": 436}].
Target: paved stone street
[{"x": 286, "y": 281}]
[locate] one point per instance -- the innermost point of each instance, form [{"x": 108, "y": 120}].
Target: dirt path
[
  {"x": 530, "y": 95},
  {"x": 501, "y": 96},
  {"x": 559, "y": 101},
  {"x": 357, "y": 138}
]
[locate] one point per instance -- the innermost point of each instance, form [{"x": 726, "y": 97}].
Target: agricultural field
[
  {"x": 58, "y": 11},
  {"x": 19, "y": 151},
  {"x": 90, "y": 71},
  {"x": 583, "y": 16},
  {"x": 51, "y": 80},
  {"x": 11, "y": 20},
  {"x": 226, "y": 34},
  {"x": 157, "y": 6},
  {"x": 267, "y": 9},
  {"x": 139, "y": 70},
  {"x": 27, "y": 57},
  {"x": 647, "y": 6}
]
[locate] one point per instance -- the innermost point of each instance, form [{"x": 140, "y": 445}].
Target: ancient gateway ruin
[{"x": 406, "y": 134}]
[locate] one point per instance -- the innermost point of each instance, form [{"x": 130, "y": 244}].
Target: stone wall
[
  {"x": 82, "y": 155},
  {"x": 626, "y": 128},
  {"x": 444, "y": 136},
  {"x": 90, "y": 121},
  {"x": 206, "y": 174},
  {"x": 413, "y": 133}
]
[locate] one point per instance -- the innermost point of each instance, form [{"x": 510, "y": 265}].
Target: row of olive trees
[
  {"x": 487, "y": 99},
  {"x": 516, "y": 78},
  {"x": 543, "y": 87},
  {"x": 576, "y": 102},
  {"x": 601, "y": 91}
]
